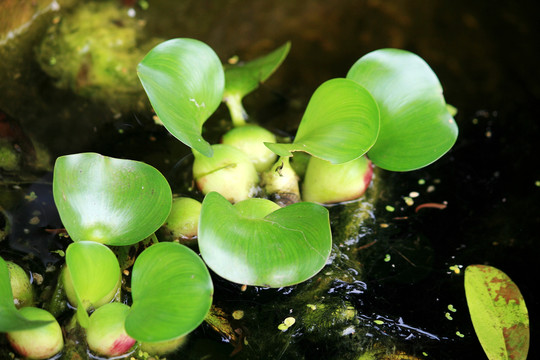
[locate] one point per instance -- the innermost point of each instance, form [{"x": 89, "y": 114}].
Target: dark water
[{"x": 485, "y": 54}]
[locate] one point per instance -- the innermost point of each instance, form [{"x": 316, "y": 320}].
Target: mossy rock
[{"x": 94, "y": 52}]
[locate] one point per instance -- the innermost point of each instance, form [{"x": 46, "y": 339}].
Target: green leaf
[
  {"x": 170, "y": 282},
  {"x": 108, "y": 200},
  {"x": 95, "y": 275},
  {"x": 243, "y": 78},
  {"x": 341, "y": 123},
  {"x": 498, "y": 313},
  {"x": 416, "y": 127},
  {"x": 10, "y": 318},
  {"x": 282, "y": 248},
  {"x": 184, "y": 81}
]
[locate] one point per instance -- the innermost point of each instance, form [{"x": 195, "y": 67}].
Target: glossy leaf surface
[
  {"x": 243, "y": 78},
  {"x": 416, "y": 127},
  {"x": 10, "y": 319},
  {"x": 282, "y": 248},
  {"x": 341, "y": 123},
  {"x": 108, "y": 200},
  {"x": 95, "y": 275},
  {"x": 184, "y": 81},
  {"x": 498, "y": 313},
  {"x": 172, "y": 293}
]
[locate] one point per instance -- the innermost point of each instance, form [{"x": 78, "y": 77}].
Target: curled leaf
[
  {"x": 91, "y": 278},
  {"x": 184, "y": 81},
  {"x": 243, "y": 78},
  {"x": 341, "y": 123}
]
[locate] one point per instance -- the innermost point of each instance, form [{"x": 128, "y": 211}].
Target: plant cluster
[{"x": 388, "y": 111}]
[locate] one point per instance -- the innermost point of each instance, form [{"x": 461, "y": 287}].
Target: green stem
[
  {"x": 236, "y": 109},
  {"x": 57, "y": 304},
  {"x": 280, "y": 164},
  {"x": 72, "y": 325}
]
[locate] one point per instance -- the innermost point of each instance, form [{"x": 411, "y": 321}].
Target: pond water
[{"x": 399, "y": 270}]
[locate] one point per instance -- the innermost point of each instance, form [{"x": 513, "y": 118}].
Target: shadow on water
[{"x": 395, "y": 279}]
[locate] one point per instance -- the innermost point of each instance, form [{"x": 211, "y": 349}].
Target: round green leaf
[
  {"x": 184, "y": 81},
  {"x": 108, "y": 200},
  {"x": 172, "y": 293},
  {"x": 94, "y": 273},
  {"x": 416, "y": 127},
  {"x": 498, "y": 313},
  {"x": 244, "y": 77},
  {"x": 10, "y": 318},
  {"x": 341, "y": 123},
  {"x": 285, "y": 247}
]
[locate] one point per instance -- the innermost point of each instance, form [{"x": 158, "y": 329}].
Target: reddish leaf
[{"x": 498, "y": 313}]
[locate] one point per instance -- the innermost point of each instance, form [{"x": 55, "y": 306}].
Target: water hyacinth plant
[
  {"x": 242, "y": 78},
  {"x": 144, "y": 205},
  {"x": 31, "y": 331},
  {"x": 389, "y": 107},
  {"x": 389, "y": 104},
  {"x": 121, "y": 203},
  {"x": 388, "y": 112}
]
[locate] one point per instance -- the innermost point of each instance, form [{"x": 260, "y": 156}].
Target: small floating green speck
[
  {"x": 238, "y": 314},
  {"x": 287, "y": 323}
]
